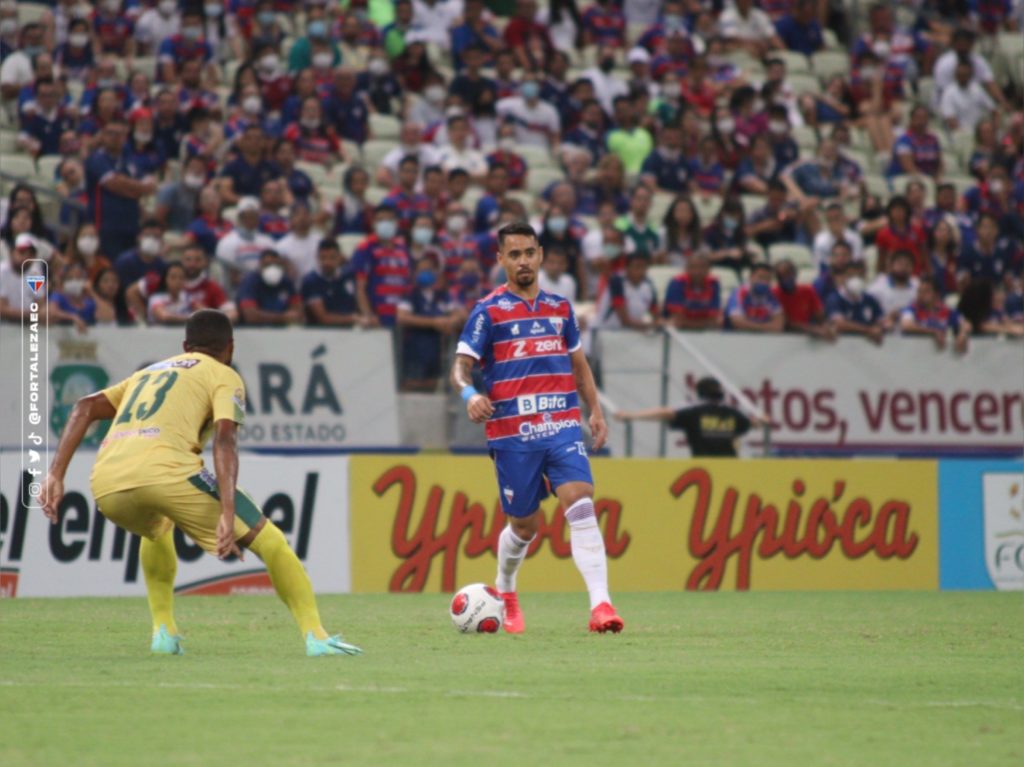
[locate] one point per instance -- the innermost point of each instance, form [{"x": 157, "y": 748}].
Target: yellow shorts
[{"x": 193, "y": 505}]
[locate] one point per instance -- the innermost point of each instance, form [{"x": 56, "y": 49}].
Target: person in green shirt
[
  {"x": 631, "y": 142},
  {"x": 638, "y": 234},
  {"x": 317, "y": 42}
]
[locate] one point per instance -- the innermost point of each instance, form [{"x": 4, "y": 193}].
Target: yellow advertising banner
[{"x": 431, "y": 523}]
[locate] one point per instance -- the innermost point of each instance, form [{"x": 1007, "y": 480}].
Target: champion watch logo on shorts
[{"x": 36, "y": 283}]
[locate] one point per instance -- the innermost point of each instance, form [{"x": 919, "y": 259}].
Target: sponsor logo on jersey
[
  {"x": 540, "y": 403},
  {"x": 505, "y": 305},
  {"x": 165, "y": 364},
  {"x": 515, "y": 329},
  {"x": 556, "y": 323},
  {"x": 547, "y": 428},
  {"x": 536, "y": 328}
]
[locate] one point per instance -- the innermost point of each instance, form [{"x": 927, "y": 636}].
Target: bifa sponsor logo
[
  {"x": 540, "y": 403},
  {"x": 1004, "y": 529}
]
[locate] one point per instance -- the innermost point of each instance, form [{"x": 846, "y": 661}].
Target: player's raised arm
[
  {"x": 478, "y": 406},
  {"x": 95, "y": 407},
  {"x": 588, "y": 392}
]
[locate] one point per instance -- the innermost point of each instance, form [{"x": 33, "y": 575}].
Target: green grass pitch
[{"x": 696, "y": 679}]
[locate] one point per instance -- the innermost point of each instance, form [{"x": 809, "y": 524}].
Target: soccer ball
[{"x": 477, "y": 608}]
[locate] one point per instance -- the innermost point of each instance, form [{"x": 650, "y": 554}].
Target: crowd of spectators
[{"x": 811, "y": 166}]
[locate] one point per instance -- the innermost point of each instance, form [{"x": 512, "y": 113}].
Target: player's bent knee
[
  {"x": 524, "y": 527},
  {"x": 572, "y": 492}
]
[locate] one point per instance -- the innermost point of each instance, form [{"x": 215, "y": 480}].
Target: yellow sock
[
  {"x": 289, "y": 578},
  {"x": 159, "y": 565}
]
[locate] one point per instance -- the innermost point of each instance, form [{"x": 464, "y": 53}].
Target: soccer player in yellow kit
[{"x": 149, "y": 476}]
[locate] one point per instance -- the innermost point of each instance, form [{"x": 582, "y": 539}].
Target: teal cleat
[
  {"x": 166, "y": 643},
  {"x": 334, "y": 645}
]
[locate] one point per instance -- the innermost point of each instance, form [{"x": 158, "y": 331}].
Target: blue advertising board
[{"x": 981, "y": 524}]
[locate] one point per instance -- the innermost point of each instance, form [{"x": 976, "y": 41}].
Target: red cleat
[
  {"x": 514, "y": 623},
  {"x": 604, "y": 618}
]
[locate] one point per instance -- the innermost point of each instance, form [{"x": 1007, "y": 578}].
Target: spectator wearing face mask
[
  {"x": 187, "y": 45},
  {"x": 147, "y": 256},
  {"x": 468, "y": 286},
  {"x": 316, "y": 42},
  {"x": 558, "y": 229},
  {"x": 426, "y": 315},
  {"x": 422, "y": 238},
  {"x": 457, "y": 242},
  {"x": 155, "y": 25},
  {"x": 239, "y": 251},
  {"x": 927, "y": 315},
  {"x": 73, "y": 302},
  {"x": 267, "y": 295},
  {"x": 851, "y": 309},
  {"x": 84, "y": 249},
  {"x": 383, "y": 269},
  {"x": 896, "y": 289},
  {"x": 753, "y": 307},
  {"x": 177, "y": 201},
  {"x": 536, "y": 122},
  {"x": 726, "y": 237},
  {"x": 380, "y": 88}
]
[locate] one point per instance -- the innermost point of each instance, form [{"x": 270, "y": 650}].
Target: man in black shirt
[{"x": 711, "y": 426}]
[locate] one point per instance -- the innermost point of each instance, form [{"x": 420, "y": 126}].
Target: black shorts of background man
[{"x": 712, "y": 427}]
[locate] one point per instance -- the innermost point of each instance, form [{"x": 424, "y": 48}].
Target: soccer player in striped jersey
[{"x": 528, "y": 344}]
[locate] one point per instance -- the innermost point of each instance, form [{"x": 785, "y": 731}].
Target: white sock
[
  {"x": 511, "y": 552},
  {"x": 588, "y": 550}
]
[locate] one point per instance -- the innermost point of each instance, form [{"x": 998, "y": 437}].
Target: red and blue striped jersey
[{"x": 523, "y": 348}]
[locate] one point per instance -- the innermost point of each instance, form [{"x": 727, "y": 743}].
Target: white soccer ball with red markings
[{"x": 477, "y": 608}]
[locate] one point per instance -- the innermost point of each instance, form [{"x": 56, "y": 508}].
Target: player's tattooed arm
[
  {"x": 478, "y": 406},
  {"x": 587, "y": 389}
]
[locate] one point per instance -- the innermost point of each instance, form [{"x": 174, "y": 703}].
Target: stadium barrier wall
[
  {"x": 431, "y": 523},
  {"x": 85, "y": 555},
  {"x": 904, "y": 397},
  {"x": 377, "y": 523},
  {"x": 982, "y": 524},
  {"x": 305, "y": 388}
]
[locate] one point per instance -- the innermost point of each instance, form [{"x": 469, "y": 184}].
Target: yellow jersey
[{"x": 165, "y": 414}]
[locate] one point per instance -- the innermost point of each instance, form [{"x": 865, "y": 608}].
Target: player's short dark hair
[
  {"x": 516, "y": 227},
  {"x": 903, "y": 254},
  {"x": 328, "y": 244},
  {"x": 710, "y": 388},
  {"x": 409, "y": 159},
  {"x": 761, "y": 266},
  {"x": 209, "y": 330}
]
